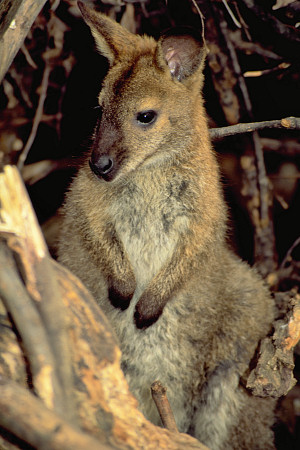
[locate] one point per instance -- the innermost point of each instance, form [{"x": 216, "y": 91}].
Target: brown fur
[{"x": 145, "y": 231}]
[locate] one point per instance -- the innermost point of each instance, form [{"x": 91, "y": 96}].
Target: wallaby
[{"x": 145, "y": 229}]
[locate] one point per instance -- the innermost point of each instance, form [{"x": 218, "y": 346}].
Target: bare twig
[
  {"x": 263, "y": 184},
  {"x": 28, "y": 57},
  {"x": 163, "y": 406},
  {"x": 202, "y": 21},
  {"x": 32, "y": 173},
  {"x": 264, "y": 239},
  {"x": 38, "y": 116},
  {"x": 260, "y": 73},
  {"x": 242, "y": 22},
  {"x": 233, "y": 18},
  {"x": 17, "y": 79},
  {"x": 289, "y": 34},
  {"x": 289, "y": 253},
  {"x": 289, "y": 123},
  {"x": 252, "y": 47}
]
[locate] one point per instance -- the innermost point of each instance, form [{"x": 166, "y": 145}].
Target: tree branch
[
  {"x": 255, "y": 180},
  {"x": 37, "y": 117},
  {"x": 159, "y": 395},
  {"x": 50, "y": 359},
  {"x": 18, "y": 303},
  {"x": 289, "y": 123},
  {"x": 27, "y": 418},
  {"x": 15, "y": 34}
]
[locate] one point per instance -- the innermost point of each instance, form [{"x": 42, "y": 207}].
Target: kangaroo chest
[{"x": 149, "y": 219}]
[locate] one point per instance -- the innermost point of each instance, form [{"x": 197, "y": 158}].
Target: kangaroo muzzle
[{"x": 103, "y": 166}]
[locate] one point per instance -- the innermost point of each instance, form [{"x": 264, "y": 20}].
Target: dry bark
[
  {"x": 291, "y": 123},
  {"x": 273, "y": 375},
  {"x": 21, "y": 19}
]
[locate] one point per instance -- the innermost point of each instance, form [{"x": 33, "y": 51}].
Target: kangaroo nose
[{"x": 103, "y": 165}]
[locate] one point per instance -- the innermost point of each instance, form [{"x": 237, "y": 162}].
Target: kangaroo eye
[{"x": 146, "y": 117}]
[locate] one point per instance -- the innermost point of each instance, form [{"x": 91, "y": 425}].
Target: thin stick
[
  {"x": 161, "y": 401},
  {"x": 234, "y": 19},
  {"x": 260, "y": 73},
  {"x": 289, "y": 252},
  {"x": 202, "y": 23},
  {"x": 289, "y": 123},
  {"x": 264, "y": 239},
  {"x": 37, "y": 118},
  {"x": 28, "y": 57}
]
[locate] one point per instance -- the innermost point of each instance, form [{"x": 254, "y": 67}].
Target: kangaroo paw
[
  {"x": 119, "y": 296},
  {"x": 147, "y": 312}
]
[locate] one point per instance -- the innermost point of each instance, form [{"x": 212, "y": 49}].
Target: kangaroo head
[{"x": 148, "y": 96}]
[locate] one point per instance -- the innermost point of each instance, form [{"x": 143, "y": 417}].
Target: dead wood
[
  {"x": 8, "y": 11},
  {"x": 18, "y": 304},
  {"x": 256, "y": 185},
  {"x": 159, "y": 395},
  {"x": 289, "y": 35},
  {"x": 21, "y": 19},
  {"x": 222, "y": 72},
  {"x": 38, "y": 115},
  {"x": 273, "y": 375},
  {"x": 48, "y": 354},
  {"x": 290, "y": 123},
  {"x": 38, "y": 425}
]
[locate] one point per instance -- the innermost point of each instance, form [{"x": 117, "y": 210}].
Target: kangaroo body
[{"x": 144, "y": 228}]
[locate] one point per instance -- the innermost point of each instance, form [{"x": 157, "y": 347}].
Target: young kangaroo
[{"x": 144, "y": 228}]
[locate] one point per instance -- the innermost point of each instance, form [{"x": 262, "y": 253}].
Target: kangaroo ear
[
  {"x": 112, "y": 40},
  {"x": 183, "y": 50}
]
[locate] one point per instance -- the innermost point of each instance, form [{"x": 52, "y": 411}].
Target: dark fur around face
[{"x": 144, "y": 228}]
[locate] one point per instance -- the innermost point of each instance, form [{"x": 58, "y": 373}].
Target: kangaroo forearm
[
  {"x": 107, "y": 251},
  {"x": 121, "y": 280},
  {"x": 164, "y": 284}
]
